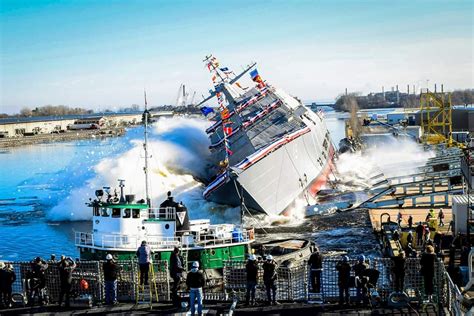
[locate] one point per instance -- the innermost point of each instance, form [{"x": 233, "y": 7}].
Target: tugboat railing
[{"x": 188, "y": 239}]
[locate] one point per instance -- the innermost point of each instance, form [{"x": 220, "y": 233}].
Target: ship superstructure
[{"x": 268, "y": 147}]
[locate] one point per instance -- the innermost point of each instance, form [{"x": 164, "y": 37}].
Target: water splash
[{"x": 179, "y": 156}]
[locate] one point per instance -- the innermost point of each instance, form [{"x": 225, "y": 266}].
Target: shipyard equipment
[{"x": 436, "y": 118}]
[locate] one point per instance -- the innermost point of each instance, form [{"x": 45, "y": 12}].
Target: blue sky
[{"x": 101, "y": 54}]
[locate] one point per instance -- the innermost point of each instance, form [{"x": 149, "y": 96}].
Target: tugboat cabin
[{"x": 119, "y": 228}]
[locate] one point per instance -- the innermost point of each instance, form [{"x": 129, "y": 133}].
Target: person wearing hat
[
  {"x": 144, "y": 260},
  {"x": 359, "y": 268},
  {"x": 343, "y": 277},
  {"x": 65, "y": 266},
  {"x": 111, "y": 272},
  {"x": 38, "y": 281},
  {"x": 252, "y": 279},
  {"x": 269, "y": 279},
  {"x": 176, "y": 273},
  {"x": 315, "y": 263},
  {"x": 7, "y": 280},
  {"x": 195, "y": 283}
]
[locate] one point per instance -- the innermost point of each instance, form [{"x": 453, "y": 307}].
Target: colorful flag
[
  {"x": 228, "y": 130},
  {"x": 225, "y": 114},
  {"x": 253, "y": 74},
  {"x": 206, "y": 110},
  {"x": 227, "y": 149}
]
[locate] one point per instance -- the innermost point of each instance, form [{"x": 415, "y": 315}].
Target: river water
[{"x": 44, "y": 187}]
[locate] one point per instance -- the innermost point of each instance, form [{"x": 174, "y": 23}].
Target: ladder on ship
[{"x": 144, "y": 292}]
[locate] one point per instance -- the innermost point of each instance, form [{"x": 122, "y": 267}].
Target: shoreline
[{"x": 60, "y": 137}]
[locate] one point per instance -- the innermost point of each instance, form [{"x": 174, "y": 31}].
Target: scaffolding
[{"x": 436, "y": 118}]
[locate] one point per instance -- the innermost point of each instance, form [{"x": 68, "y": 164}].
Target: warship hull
[
  {"x": 297, "y": 169},
  {"x": 268, "y": 148}
]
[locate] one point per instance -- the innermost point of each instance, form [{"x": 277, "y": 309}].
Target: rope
[{"x": 245, "y": 207}]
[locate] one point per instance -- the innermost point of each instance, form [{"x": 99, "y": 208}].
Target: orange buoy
[{"x": 84, "y": 284}]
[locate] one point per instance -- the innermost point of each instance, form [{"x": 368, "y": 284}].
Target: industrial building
[{"x": 24, "y": 126}]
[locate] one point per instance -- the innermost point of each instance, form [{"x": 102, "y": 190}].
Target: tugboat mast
[{"x": 145, "y": 147}]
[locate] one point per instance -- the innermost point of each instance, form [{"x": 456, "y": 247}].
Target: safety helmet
[
  {"x": 269, "y": 257},
  {"x": 361, "y": 258},
  {"x": 2, "y": 264},
  {"x": 109, "y": 257},
  {"x": 252, "y": 257},
  {"x": 195, "y": 264},
  {"x": 410, "y": 232},
  {"x": 345, "y": 258}
]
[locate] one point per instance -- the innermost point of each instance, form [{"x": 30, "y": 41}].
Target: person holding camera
[{"x": 66, "y": 266}]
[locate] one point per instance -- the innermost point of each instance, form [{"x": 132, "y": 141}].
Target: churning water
[{"x": 44, "y": 187}]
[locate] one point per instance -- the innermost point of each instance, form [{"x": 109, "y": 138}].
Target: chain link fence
[
  {"x": 292, "y": 282},
  {"x": 92, "y": 273}
]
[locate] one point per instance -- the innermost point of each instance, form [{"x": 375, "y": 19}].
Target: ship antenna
[{"x": 145, "y": 147}]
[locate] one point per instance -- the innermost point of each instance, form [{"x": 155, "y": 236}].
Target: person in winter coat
[
  {"x": 195, "y": 282},
  {"x": 359, "y": 269},
  {"x": 419, "y": 234},
  {"x": 111, "y": 273},
  {"x": 10, "y": 278},
  {"x": 427, "y": 262},
  {"x": 343, "y": 277},
  {"x": 66, "y": 266},
  {"x": 144, "y": 260},
  {"x": 441, "y": 217},
  {"x": 37, "y": 282},
  {"x": 399, "y": 271},
  {"x": 252, "y": 279},
  {"x": 410, "y": 238},
  {"x": 269, "y": 279},
  {"x": 315, "y": 263},
  {"x": 176, "y": 273}
]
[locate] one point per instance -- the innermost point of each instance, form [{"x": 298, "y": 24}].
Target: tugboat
[{"x": 120, "y": 224}]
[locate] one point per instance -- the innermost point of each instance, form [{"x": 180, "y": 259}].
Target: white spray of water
[
  {"x": 178, "y": 149},
  {"x": 392, "y": 158}
]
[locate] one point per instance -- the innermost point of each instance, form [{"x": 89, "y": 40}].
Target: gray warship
[{"x": 267, "y": 147}]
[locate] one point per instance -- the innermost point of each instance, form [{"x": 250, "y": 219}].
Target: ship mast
[{"x": 145, "y": 147}]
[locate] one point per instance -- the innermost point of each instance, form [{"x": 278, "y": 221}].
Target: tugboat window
[
  {"x": 136, "y": 213},
  {"x": 116, "y": 212},
  {"x": 126, "y": 213},
  {"x": 105, "y": 212},
  {"x": 96, "y": 211}
]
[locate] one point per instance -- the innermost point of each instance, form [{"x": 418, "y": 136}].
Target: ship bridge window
[
  {"x": 105, "y": 212},
  {"x": 96, "y": 211},
  {"x": 116, "y": 212},
  {"x": 126, "y": 213},
  {"x": 136, "y": 213}
]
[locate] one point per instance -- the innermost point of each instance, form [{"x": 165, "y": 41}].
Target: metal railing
[
  {"x": 91, "y": 272},
  {"x": 292, "y": 282},
  {"x": 188, "y": 239}
]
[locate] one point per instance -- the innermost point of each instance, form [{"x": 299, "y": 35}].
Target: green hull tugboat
[{"x": 120, "y": 224}]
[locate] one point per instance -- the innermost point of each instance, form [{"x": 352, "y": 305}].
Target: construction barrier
[
  {"x": 92, "y": 273},
  {"x": 292, "y": 283}
]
